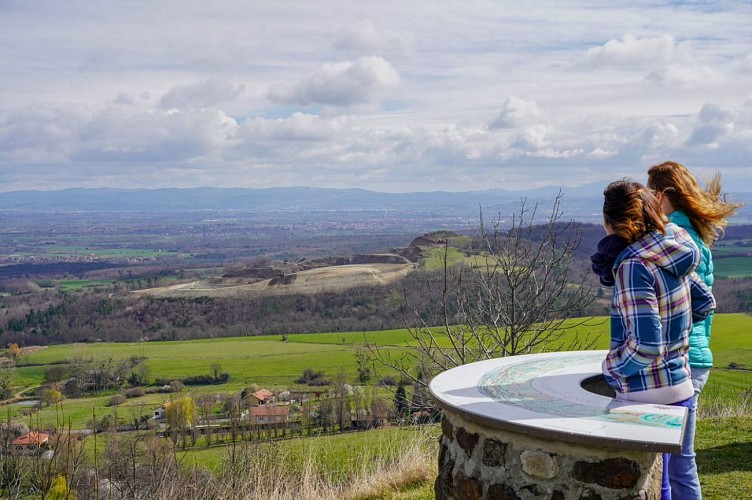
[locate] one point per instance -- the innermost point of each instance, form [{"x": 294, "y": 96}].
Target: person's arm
[
  {"x": 637, "y": 306},
  {"x": 703, "y": 301}
]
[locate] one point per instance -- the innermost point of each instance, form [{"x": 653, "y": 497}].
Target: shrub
[
  {"x": 311, "y": 377},
  {"x": 56, "y": 373},
  {"x": 135, "y": 392},
  {"x": 116, "y": 400},
  {"x": 176, "y": 386},
  {"x": 206, "y": 379}
]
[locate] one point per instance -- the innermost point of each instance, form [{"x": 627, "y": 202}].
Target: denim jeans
[{"x": 680, "y": 479}]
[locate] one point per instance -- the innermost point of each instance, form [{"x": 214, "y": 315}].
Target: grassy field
[
  {"x": 724, "y": 457},
  {"x": 733, "y": 267},
  {"x": 723, "y": 444},
  {"x": 270, "y": 362}
]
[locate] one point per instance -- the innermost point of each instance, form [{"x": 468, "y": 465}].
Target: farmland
[{"x": 272, "y": 362}]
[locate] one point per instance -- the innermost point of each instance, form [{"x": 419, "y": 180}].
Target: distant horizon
[
  {"x": 551, "y": 187},
  {"x": 394, "y": 97}
]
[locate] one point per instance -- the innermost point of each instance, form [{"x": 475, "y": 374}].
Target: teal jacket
[{"x": 700, "y": 355}]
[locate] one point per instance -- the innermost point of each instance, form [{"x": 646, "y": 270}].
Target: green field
[
  {"x": 68, "y": 285},
  {"x": 270, "y": 362},
  {"x": 722, "y": 443},
  {"x": 733, "y": 267}
]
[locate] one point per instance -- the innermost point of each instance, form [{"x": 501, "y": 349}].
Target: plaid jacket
[{"x": 656, "y": 294}]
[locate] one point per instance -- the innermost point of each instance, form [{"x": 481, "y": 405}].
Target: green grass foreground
[
  {"x": 724, "y": 457},
  {"x": 724, "y": 448}
]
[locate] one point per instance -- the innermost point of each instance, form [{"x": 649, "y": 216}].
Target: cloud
[
  {"x": 683, "y": 77},
  {"x": 713, "y": 125},
  {"x": 399, "y": 97},
  {"x": 298, "y": 127},
  {"x": 516, "y": 112},
  {"x": 365, "y": 37},
  {"x": 340, "y": 84},
  {"x": 744, "y": 64},
  {"x": 633, "y": 52},
  {"x": 201, "y": 95}
]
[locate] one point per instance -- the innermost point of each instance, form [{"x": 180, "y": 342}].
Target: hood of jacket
[{"x": 674, "y": 252}]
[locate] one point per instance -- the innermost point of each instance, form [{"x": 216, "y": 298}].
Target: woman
[
  {"x": 703, "y": 213},
  {"x": 656, "y": 294}
]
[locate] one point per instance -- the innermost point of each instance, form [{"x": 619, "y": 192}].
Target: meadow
[
  {"x": 269, "y": 361},
  {"x": 276, "y": 362},
  {"x": 733, "y": 267}
]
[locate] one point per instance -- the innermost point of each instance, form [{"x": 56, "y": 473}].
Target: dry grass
[
  {"x": 714, "y": 407},
  {"x": 251, "y": 472},
  {"x": 312, "y": 281}
]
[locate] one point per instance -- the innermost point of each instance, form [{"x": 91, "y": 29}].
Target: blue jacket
[
  {"x": 652, "y": 311},
  {"x": 700, "y": 355}
]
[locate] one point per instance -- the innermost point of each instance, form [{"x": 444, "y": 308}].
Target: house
[
  {"x": 265, "y": 415},
  {"x": 161, "y": 412},
  {"x": 31, "y": 443},
  {"x": 260, "y": 397},
  {"x": 363, "y": 419}
]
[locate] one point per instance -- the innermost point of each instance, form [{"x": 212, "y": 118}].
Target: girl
[
  {"x": 703, "y": 214},
  {"x": 656, "y": 294}
]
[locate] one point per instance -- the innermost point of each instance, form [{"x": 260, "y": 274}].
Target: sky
[{"x": 393, "y": 96}]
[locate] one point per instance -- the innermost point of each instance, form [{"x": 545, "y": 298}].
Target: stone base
[{"x": 480, "y": 462}]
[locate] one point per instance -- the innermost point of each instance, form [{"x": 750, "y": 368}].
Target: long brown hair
[
  {"x": 632, "y": 210},
  {"x": 707, "y": 208}
]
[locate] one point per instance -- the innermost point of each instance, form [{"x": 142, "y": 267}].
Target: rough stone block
[
  {"x": 615, "y": 473},
  {"x": 467, "y": 487},
  {"x": 447, "y": 429},
  {"x": 443, "y": 486},
  {"x": 466, "y": 440},
  {"x": 493, "y": 452},
  {"x": 539, "y": 464},
  {"x": 501, "y": 492}
]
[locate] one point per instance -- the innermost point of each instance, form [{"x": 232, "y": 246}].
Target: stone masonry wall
[{"x": 479, "y": 462}]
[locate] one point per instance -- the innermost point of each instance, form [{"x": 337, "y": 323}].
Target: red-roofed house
[
  {"x": 31, "y": 443},
  {"x": 264, "y": 415},
  {"x": 261, "y": 397}
]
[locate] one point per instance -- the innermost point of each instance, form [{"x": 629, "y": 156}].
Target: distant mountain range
[{"x": 582, "y": 202}]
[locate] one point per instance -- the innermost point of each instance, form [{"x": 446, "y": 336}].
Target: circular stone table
[{"x": 524, "y": 427}]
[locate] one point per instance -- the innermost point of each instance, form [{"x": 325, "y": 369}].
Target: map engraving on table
[{"x": 532, "y": 385}]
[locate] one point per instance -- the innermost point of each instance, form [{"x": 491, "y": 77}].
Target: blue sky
[{"x": 389, "y": 96}]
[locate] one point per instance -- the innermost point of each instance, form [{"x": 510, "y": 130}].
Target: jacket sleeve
[
  {"x": 703, "y": 301},
  {"x": 637, "y": 307}
]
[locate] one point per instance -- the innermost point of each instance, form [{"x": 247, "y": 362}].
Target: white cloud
[
  {"x": 682, "y": 76},
  {"x": 364, "y": 37},
  {"x": 633, "y": 52},
  {"x": 744, "y": 64},
  {"x": 201, "y": 95},
  {"x": 158, "y": 94},
  {"x": 298, "y": 127},
  {"x": 340, "y": 84},
  {"x": 516, "y": 112},
  {"x": 713, "y": 125}
]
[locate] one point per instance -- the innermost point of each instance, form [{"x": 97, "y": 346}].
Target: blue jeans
[{"x": 680, "y": 479}]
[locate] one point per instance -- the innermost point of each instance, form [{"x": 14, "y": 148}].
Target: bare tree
[
  {"x": 513, "y": 297},
  {"x": 205, "y": 403}
]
